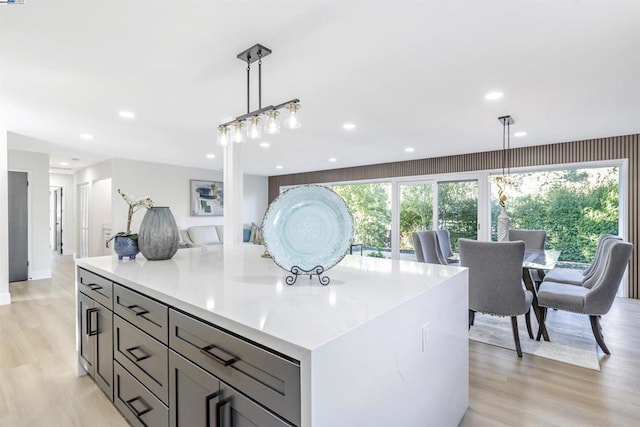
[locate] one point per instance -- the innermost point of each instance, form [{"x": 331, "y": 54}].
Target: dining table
[{"x": 537, "y": 260}]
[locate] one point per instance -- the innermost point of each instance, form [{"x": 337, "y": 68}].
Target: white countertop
[{"x": 235, "y": 288}]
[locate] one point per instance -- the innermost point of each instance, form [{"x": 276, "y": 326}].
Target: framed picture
[{"x": 207, "y": 198}]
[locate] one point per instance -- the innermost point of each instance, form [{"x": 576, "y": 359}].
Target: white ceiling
[{"x": 409, "y": 74}]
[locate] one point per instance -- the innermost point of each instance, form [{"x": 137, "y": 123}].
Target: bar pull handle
[
  {"x": 225, "y": 359},
  {"x": 92, "y": 286},
  {"x": 138, "y": 412},
  {"x": 90, "y": 331},
  {"x": 137, "y": 357},
  {"x": 220, "y": 417},
  {"x": 137, "y": 310},
  {"x": 208, "y": 400}
]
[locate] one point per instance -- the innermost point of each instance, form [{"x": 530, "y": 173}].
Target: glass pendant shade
[
  {"x": 224, "y": 136},
  {"x": 272, "y": 125},
  {"x": 236, "y": 134},
  {"x": 254, "y": 130},
  {"x": 292, "y": 121}
]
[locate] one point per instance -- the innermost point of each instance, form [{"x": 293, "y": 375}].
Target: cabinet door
[
  {"x": 104, "y": 349},
  {"x": 193, "y": 394},
  {"x": 86, "y": 322},
  {"x": 236, "y": 410}
]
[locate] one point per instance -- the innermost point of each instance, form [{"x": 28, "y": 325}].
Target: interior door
[
  {"x": 84, "y": 220},
  {"x": 58, "y": 214},
  {"x": 18, "y": 227}
]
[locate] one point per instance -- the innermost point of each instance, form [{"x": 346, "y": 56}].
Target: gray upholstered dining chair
[
  {"x": 428, "y": 247},
  {"x": 578, "y": 277},
  {"x": 595, "y": 297},
  {"x": 417, "y": 247},
  {"x": 533, "y": 239},
  {"x": 444, "y": 240},
  {"x": 495, "y": 282}
]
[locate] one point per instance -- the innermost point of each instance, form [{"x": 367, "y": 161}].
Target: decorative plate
[{"x": 306, "y": 227}]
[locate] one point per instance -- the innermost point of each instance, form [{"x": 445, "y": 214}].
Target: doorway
[
  {"x": 55, "y": 222},
  {"x": 18, "y": 226}
]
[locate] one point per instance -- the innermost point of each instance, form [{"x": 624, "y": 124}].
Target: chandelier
[{"x": 267, "y": 120}]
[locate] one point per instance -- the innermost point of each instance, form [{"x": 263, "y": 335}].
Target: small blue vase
[{"x": 126, "y": 247}]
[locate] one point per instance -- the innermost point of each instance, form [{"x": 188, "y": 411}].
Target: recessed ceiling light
[
  {"x": 86, "y": 136},
  {"x": 492, "y": 96},
  {"x": 333, "y": 159},
  {"x": 349, "y": 126},
  {"x": 521, "y": 133},
  {"x": 409, "y": 149},
  {"x": 64, "y": 164},
  {"x": 127, "y": 114},
  {"x": 264, "y": 144},
  {"x": 211, "y": 156},
  {"x": 279, "y": 167}
]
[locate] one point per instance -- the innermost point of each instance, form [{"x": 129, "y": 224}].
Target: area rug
[{"x": 571, "y": 338}]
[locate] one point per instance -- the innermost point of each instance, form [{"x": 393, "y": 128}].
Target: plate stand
[{"x": 297, "y": 271}]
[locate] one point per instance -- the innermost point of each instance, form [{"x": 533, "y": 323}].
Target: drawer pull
[
  {"x": 226, "y": 360},
  {"x": 136, "y": 412},
  {"x": 90, "y": 331},
  {"x": 137, "y": 358},
  {"x": 220, "y": 417},
  {"x": 137, "y": 310}
]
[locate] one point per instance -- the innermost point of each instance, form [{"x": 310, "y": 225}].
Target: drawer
[
  {"x": 135, "y": 402},
  {"x": 144, "y": 357},
  {"x": 96, "y": 287},
  {"x": 143, "y": 312},
  {"x": 263, "y": 376}
]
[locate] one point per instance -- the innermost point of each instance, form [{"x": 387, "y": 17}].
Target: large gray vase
[{"x": 158, "y": 236}]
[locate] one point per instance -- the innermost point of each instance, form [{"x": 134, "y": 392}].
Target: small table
[{"x": 537, "y": 260}]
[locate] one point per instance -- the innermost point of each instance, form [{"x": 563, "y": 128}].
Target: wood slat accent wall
[{"x": 610, "y": 148}]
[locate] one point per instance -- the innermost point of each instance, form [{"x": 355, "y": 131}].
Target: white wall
[
  {"x": 68, "y": 210},
  {"x": 99, "y": 216},
  {"x": 5, "y": 297},
  {"x": 168, "y": 185},
  {"x": 37, "y": 166}
]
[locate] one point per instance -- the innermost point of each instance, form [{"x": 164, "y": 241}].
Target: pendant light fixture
[
  {"x": 253, "y": 124},
  {"x": 505, "y": 179}
]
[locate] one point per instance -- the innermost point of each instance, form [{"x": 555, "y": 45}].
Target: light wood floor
[{"x": 39, "y": 386}]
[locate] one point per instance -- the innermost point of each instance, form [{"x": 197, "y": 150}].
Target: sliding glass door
[
  {"x": 370, "y": 206},
  {"x": 456, "y": 209}
]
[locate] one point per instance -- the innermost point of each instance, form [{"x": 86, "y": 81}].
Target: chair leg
[
  {"x": 597, "y": 333},
  {"x": 516, "y": 337},
  {"x": 472, "y": 317},
  {"x": 527, "y": 318},
  {"x": 542, "y": 328}
]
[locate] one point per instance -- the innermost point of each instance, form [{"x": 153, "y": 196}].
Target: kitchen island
[{"x": 385, "y": 343}]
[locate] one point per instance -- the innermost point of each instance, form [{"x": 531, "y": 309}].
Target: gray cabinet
[
  {"x": 138, "y": 405},
  {"x": 236, "y": 410},
  {"x": 193, "y": 394},
  {"x": 96, "y": 342},
  {"x": 199, "y": 399},
  {"x": 141, "y": 355},
  {"x": 262, "y": 375},
  {"x": 164, "y": 367}
]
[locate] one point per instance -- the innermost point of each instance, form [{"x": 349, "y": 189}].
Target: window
[
  {"x": 574, "y": 207},
  {"x": 458, "y": 209},
  {"x": 370, "y": 205}
]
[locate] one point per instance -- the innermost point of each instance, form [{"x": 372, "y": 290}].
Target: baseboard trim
[
  {"x": 5, "y": 298},
  {"x": 39, "y": 275}
]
